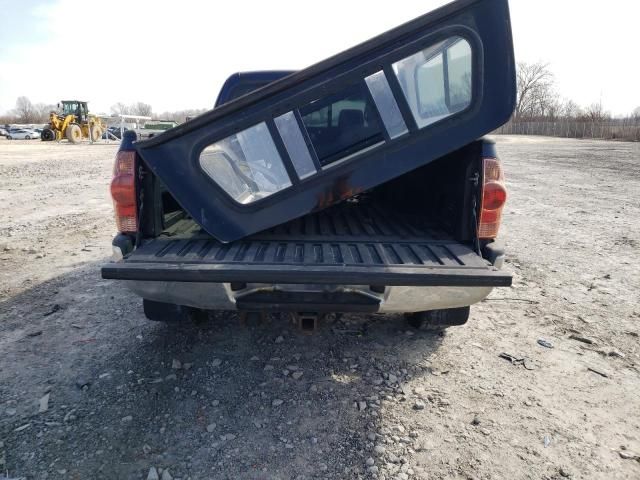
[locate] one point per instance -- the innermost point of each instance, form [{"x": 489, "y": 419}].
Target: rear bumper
[
  {"x": 220, "y": 296},
  {"x": 313, "y": 286}
]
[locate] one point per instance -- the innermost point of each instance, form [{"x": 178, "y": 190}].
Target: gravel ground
[{"x": 90, "y": 389}]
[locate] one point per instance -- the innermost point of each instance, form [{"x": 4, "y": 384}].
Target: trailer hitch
[{"x": 306, "y": 322}]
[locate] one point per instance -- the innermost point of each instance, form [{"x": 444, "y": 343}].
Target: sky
[{"x": 175, "y": 55}]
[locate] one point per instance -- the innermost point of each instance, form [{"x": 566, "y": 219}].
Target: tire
[
  {"x": 74, "y": 133},
  {"x": 169, "y": 312},
  {"x": 96, "y": 133},
  {"x": 47, "y": 135},
  {"x": 27, "y": 137},
  {"x": 438, "y": 320},
  {"x": 9, "y": 137}
]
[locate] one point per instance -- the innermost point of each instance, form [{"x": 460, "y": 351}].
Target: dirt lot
[{"x": 366, "y": 397}]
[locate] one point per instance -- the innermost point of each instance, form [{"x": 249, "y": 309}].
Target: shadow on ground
[{"x": 247, "y": 402}]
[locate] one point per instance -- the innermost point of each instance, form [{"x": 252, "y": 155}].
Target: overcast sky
[{"x": 176, "y": 54}]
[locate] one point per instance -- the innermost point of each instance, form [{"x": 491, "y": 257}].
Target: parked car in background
[
  {"x": 3, "y": 132},
  {"x": 22, "y": 134}
]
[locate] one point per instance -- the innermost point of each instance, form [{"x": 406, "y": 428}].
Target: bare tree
[
  {"x": 42, "y": 111},
  {"x": 142, "y": 109},
  {"x": 596, "y": 113},
  {"x": 535, "y": 89},
  {"x": 541, "y": 111},
  {"x": 120, "y": 109},
  {"x": 25, "y": 111},
  {"x": 570, "y": 109},
  {"x": 138, "y": 108},
  {"x": 548, "y": 105}
]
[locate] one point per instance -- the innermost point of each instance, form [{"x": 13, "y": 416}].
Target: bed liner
[{"x": 347, "y": 245}]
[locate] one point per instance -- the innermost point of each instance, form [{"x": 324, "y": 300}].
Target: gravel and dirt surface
[{"x": 89, "y": 389}]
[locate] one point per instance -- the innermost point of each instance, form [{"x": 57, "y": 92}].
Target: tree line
[
  {"x": 145, "y": 110},
  {"x": 26, "y": 112},
  {"x": 540, "y": 110},
  {"x": 538, "y": 98}
]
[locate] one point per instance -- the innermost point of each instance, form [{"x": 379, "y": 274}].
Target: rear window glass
[
  {"x": 246, "y": 165},
  {"x": 436, "y": 81},
  {"x": 342, "y": 124}
]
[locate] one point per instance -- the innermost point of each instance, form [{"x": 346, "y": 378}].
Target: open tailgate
[
  {"x": 337, "y": 246},
  {"x": 345, "y": 125}
]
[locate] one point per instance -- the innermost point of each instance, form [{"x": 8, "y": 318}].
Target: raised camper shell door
[{"x": 344, "y": 125}]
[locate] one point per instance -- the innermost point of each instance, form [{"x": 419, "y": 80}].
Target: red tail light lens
[
  {"x": 123, "y": 192},
  {"x": 494, "y": 196}
]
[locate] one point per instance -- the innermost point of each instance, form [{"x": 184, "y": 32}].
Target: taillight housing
[
  {"x": 123, "y": 192},
  {"x": 494, "y": 196}
]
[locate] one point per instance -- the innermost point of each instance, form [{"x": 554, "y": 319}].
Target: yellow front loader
[{"x": 74, "y": 123}]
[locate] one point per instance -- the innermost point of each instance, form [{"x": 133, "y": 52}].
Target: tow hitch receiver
[{"x": 307, "y": 322}]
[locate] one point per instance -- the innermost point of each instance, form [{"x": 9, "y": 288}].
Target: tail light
[
  {"x": 123, "y": 192},
  {"x": 494, "y": 196}
]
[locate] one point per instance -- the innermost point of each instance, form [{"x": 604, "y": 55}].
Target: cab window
[{"x": 70, "y": 108}]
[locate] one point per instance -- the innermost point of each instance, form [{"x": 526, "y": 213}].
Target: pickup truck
[{"x": 362, "y": 183}]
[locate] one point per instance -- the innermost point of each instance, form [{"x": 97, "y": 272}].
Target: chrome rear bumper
[
  {"x": 220, "y": 296},
  {"x": 393, "y": 299}
]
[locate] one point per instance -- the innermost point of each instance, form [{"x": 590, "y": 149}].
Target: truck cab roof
[{"x": 241, "y": 83}]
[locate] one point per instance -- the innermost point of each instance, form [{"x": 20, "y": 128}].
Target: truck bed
[{"x": 345, "y": 244}]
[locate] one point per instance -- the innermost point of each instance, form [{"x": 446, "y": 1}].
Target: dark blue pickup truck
[{"x": 360, "y": 184}]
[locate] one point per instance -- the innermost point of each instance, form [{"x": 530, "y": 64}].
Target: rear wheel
[
  {"x": 96, "y": 133},
  {"x": 47, "y": 135},
  {"x": 74, "y": 133},
  {"x": 9, "y": 137},
  {"x": 437, "y": 320}
]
